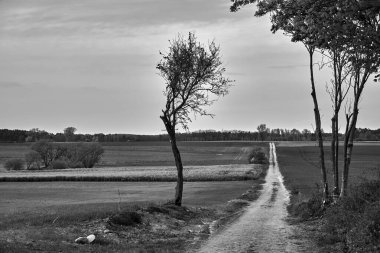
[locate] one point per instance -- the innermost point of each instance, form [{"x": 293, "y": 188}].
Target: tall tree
[
  {"x": 296, "y": 19},
  {"x": 194, "y": 79},
  {"x": 334, "y": 31},
  {"x": 364, "y": 58}
]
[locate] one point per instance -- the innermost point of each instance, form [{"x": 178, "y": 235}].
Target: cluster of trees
[
  {"x": 347, "y": 34},
  {"x": 52, "y": 155}
]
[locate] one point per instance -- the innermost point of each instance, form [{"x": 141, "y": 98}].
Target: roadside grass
[
  {"x": 352, "y": 224},
  {"x": 163, "y": 227},
  {"x": 302, "y": 176}
]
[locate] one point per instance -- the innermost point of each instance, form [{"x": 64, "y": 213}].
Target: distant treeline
[{"x": 265, "y": 134}]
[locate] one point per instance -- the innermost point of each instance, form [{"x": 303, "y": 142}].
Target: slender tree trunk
[
  {"x": 360, "y": 81},
  {"x": 336, "y": 160},
  {"x": 318, "y": 128},
  {"x": 334, "y": 153},
  {"x": 178, "y": 161},
  {"x": 348, "y": 147}
]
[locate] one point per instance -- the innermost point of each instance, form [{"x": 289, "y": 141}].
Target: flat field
[
  {"x": 155, "y": 153},
  {"x": 299, "y": 165},
  {"x": 56, "y": 197},
  {"x": 146, "y": 161}
]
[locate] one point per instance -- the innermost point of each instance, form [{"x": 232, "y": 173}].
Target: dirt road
[{"x": 263, "y": 227}]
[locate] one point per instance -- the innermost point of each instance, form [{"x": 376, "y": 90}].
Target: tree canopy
[{"x": 193, "y": 73}]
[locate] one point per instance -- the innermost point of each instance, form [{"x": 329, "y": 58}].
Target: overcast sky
[{"x": 91, "y": 64}]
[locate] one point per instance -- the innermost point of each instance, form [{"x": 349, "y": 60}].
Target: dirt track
[{"x": 263, "y": 227}]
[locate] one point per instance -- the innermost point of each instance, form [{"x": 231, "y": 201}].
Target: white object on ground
[
  {"x": 84, "y": 240},
  {"x": 90, "y": 238}
]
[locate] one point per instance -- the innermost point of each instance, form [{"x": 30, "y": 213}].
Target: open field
[
  {"x": 231, "y": 172},
  {"x": 47, "y": 197},
  {"x": 155, "y": 153},
  {"x": 50, "y": 215},
  {"x": 299, "y": 165},
  {"x": 85, "y": 208}
]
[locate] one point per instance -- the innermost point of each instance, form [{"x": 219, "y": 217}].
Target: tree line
[{"x": 276, "y": 134}]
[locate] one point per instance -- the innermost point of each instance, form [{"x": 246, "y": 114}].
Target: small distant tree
[
  {"x": 69, "y": 133},
  {"x": 263, "y": 131},
  {"x": 33, "y": 160},
  {"x": 192, "y": 73},
  {"x": 46, "y": 150},
  {"x": 89, "y": 154}
]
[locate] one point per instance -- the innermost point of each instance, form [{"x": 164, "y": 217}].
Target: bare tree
[{"x": 194, "y": 79}]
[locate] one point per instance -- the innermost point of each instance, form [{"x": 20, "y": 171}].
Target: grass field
[
  {"x": 155, "y": 153},
  {"x": 53, "y": 197},
  {"x": 299, "y": 165},
  {"x": 230, "y": 172},
  {"x": 48, "y": 216}
]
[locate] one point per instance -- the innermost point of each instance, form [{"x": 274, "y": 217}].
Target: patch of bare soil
[{"x": 151, "y": 228}]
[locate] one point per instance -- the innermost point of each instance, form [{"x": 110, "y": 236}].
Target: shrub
[
  {"x": 308, "y": 209},
  {"x": 63, "y": 155},
  {"x": 258, "y": 156},
  {"x": 126, "y": 218},
  {"x": 14, "y": 164},
  {"x": 354, "y": 220},
  {"x": 33, "y": 160},
  {"x": 365, "y": 234},
  {"x": 59, "y": 164},
  {"x": 89, "y": 154},
  {"x": 46, "y": 150}
]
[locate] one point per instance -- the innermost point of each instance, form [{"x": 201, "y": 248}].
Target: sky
[{"x": 91, "y": 64}]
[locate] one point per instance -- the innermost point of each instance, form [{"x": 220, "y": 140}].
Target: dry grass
[
  {"x": 156, "y": 173},
  {"x": 163, "y": 228}
]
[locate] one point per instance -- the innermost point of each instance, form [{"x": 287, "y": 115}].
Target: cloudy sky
[{"x": 91, "y": 64}]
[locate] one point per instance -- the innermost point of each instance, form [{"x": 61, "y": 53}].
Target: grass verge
[
  {"x": 350, "y": 225},
  {"x": 125, "y": 227}
]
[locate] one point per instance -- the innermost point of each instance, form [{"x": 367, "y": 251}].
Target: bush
[
  {"x": 354, "y": 220},
  {"x": 14, "y": 164},
  {"x": 45, "y": 149},
  {"x": 305, "y": 210},
  {"x": 126, "y": 218},
  {"x": 59, "y": 165},
  {"x": 89, "y": 154},
  {"x": 63, "y": 155},
  {"x": 258, "y": 156},
  {"x": 33, "y": 160}
]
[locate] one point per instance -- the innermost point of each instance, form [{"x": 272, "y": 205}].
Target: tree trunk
[
  {"x": 348, "y": 147},
  {"x": 318, "y": 131},
  {"x": 178, "y": 161},
  {"x": 335, "y": 153}
]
